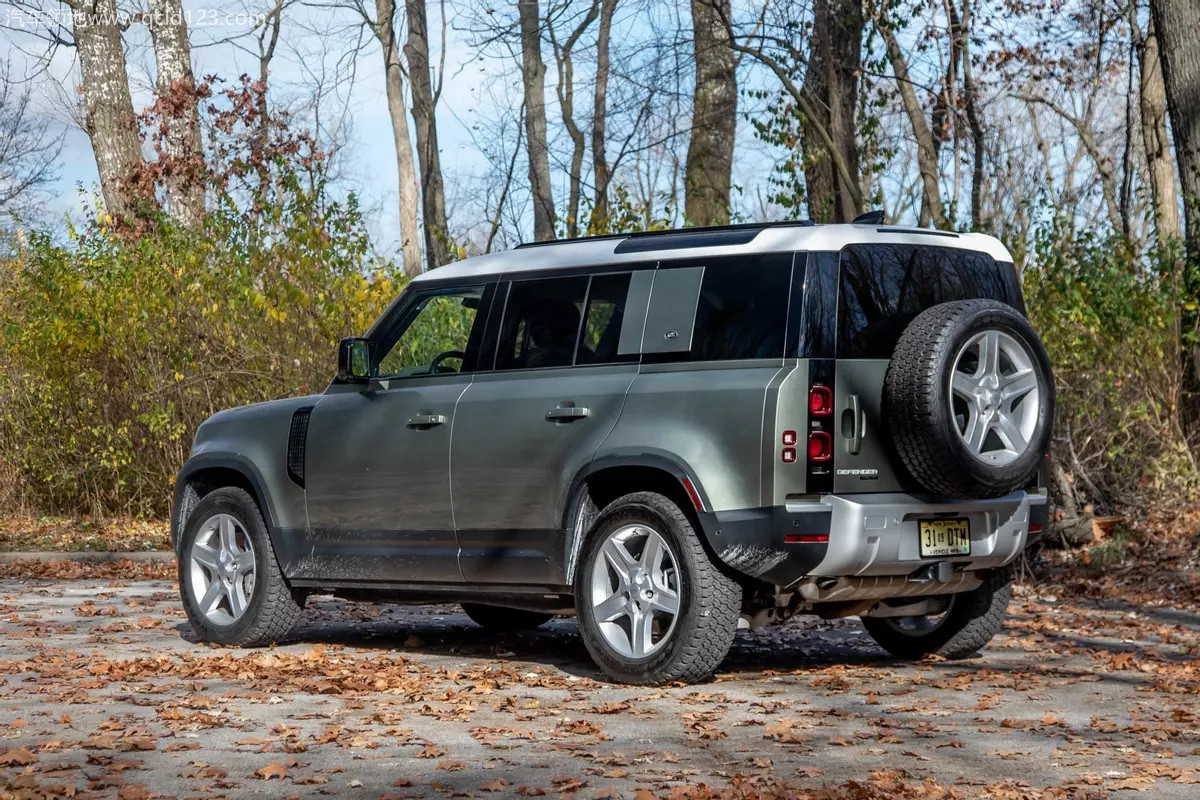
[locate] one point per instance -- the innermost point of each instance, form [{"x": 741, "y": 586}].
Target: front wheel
[
  {"x": 231, "y": 585},
  {"x": 967, "y": 625},
  {"x": 652, "y": 606}
]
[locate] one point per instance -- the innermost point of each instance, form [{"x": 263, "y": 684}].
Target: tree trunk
[
  {"x": 176, "y": 88},
  {"x": 971, "y": 101},
  {"x": 600, "y": 176},
  {"x": 564, "y": 59},
  {"x": 831, "y": 83},
  {"x": 714, "y": 116},
  {"x": 1175, "y": 22},
  {"x": 927, "y": 159},
  {"x": 385, "y": 31},
  {"x": 1152, "y": 98},
  {"x": 424, "y": 108},
  {"x": 110, "y": 121},
  {"x": 533, "y": 73}
]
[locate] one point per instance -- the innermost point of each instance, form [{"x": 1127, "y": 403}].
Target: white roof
[{"x": 584, "y": 253}]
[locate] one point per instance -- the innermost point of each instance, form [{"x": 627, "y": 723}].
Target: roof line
[{"x": 745, "y": 226}]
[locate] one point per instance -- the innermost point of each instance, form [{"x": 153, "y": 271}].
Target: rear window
[{"x": 884, "y": 287}]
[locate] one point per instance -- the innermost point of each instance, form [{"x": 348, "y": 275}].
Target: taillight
[
  {"x": 820, "y": 401},
  {"x": 789, "y": 438},
  {"x": 820, "y": 446}
]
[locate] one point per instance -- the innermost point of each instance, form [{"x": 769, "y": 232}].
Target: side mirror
[{"x": 354, "y": 360}]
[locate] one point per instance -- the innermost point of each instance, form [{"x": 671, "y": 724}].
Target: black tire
[
  {"x": 505, "y": 620},
  {"x": 970, "y": 622},
  {"x": 272, "y": 608},
  {"x": 710, "y": 602},
  {"x": 919, "y": 412}
]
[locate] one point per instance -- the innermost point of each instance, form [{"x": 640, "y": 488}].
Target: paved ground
[{"x": 103, "y": 692}]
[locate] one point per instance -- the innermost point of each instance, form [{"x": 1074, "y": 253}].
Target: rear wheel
[
  {"x": 506, "y": 620},
  {"x": 967, "y": 625},
  {"x": 652, "y": 606}
]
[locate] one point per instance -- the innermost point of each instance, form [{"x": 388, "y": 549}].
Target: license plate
[{"x": 945, "y": 537}]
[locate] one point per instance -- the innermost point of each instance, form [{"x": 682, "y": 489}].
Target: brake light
[
  {"x": 820, "y": 446},
  {"x": 806, "y": 538},
  {"x": 820, "y": 401},
  {"x": 1035, "y": 527}
]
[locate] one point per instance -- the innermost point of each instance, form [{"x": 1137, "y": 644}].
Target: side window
[
  {"x": 432, "y": 337},
  {"x": 884, "y": 287},
  {"x": 742, "y": 309},
  {"x": 603, "y": 319},
  {"x": 541, "y": 323}
]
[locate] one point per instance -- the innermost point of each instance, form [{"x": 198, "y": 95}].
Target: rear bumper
[{"x": 871, "y": 540}]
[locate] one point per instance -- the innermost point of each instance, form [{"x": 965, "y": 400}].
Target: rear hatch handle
[{"x": 853, "y": 425}]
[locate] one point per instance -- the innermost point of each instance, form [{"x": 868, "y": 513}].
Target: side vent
[{"x": 297, "y": 438}]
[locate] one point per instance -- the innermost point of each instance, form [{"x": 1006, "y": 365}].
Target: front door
[
  {"x": 523, "y": 431},
  {"x": 378, "y": 454}
]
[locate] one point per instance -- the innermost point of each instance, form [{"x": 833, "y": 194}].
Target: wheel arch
[
  {"x": 202, "y": 475},
  {"x": 605, "y": 479}
]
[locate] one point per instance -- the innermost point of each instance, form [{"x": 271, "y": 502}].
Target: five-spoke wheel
[
  {"x": 653, "y": 606},
  {"x": 233, "y": 590},
  {"x": 635, "y": 590}
]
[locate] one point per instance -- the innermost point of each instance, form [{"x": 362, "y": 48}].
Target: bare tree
[
  {"x": 831, "y": 82},
  {"x": 424, "y": 107},
  {"x": 600, "y": 167},
  {"x": 709, "y": 170},
  {"x": 1152, "y": 100},
  {"x": 533, "y": 73},
  {"x": 176, "y": 88},
  {"x": 1175, "y": 22},
  {"x": 29, "y": 148},
  {"x": 927, "y": 147},
  {"x": 384, "y": 28},
  {"x": 565, "y": 87},
  {"x": 110, "y": 122}
]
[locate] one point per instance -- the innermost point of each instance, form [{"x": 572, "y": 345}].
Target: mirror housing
[{"x": 354, "y": 360}]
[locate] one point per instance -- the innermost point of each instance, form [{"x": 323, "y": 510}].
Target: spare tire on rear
[{"x": 969, "y": 399}]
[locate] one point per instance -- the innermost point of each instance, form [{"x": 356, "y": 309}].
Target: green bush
[
  {"x": 115, "y": 346},
  {"x": 1107, "y": 316}
]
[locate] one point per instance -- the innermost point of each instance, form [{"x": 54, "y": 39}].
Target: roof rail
[{"x": 749, "y": 227}]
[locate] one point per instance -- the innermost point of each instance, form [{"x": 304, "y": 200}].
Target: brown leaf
[
  {"x": 17, "y": 757},
  {"x": 272, "y": 770},
  {"x": 451, "y": 766},
  {"x": 497, "y": 785}
]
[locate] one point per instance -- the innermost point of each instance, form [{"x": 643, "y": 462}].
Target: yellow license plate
[{"x": 945, "y": 537}]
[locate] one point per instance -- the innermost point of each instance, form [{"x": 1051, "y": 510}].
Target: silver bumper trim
[{"x": 875, "y": 535}]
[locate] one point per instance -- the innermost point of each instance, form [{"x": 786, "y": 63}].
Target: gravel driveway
[{"x": 105, "y": 693}]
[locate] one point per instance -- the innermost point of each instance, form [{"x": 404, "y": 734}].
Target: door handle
[
  {"x": 567, "y": 412},
  {"x": 425, "y": 420},
  {"x": 853, "y": 425}
]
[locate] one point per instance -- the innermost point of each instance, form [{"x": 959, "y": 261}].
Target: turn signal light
[
  {"x": 820, "y": 401},
  {"x": 820, "y": 446}
]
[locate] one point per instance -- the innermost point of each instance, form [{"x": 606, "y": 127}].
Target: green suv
[{"x": 669, "y": 435}]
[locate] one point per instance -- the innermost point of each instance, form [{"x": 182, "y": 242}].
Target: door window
[
  {"x": 541, "y": 323},
  {"x": 602, "y": 323},
  {"x": 433, "y": 335}
]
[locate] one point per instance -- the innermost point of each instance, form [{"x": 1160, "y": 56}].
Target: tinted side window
[
  {"x": 603, "y": 319},
  {"x": 884, "y": 287},
  {"x": 742, "y": 310},
  {"x": 541, "y": 323}
]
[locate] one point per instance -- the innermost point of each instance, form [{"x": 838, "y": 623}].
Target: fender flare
[
  {"x": 579, "y": 512},
  {"x": 230, "y": 461}
]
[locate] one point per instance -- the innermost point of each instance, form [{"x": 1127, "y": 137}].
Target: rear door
[
  {"x": 525, "y": 429},
  {"x": 882, "y": 288}
]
